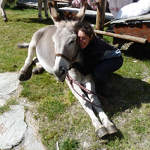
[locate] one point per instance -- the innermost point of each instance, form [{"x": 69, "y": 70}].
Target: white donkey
[
  {"x": 3, "y": 14},
  {"x": 56, "y": 50}
]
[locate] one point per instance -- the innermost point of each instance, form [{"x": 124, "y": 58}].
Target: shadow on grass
[
  {"x": 28, "y": 20},
  {"x": 127, "y": 93},
  {"x": 138, "y": 51},
  {"x": 35, "y": 20}
]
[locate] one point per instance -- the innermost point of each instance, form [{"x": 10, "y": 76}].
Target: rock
[
  {"x": 12, "y": 127},
  {"x": 128, "y": 111},
  {"x": 8, "y": 84},
  {"x": 31, "y": 139}
]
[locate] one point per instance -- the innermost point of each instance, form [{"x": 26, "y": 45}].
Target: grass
[
  {"x": 7, "y": 105},
  {"x": 69, "y": 144},
  {"x": 59, "y": 119}
]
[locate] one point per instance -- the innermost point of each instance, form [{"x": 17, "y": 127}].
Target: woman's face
[{"x": 83, "y": 39}]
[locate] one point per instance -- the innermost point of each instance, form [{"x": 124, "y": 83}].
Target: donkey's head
[{"x": 65, "y": 44}]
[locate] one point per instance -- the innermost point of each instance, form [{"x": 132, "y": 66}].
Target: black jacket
[{"x": 93, "y": 54}]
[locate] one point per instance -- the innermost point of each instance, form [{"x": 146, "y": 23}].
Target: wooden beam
[{"x": 125, "y": 37}]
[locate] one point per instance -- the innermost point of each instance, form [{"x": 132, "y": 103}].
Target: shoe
[
  {"x": 106, "y": 88},
  {"x": 98, "y": 86}
]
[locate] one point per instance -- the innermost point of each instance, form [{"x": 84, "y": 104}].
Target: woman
[{"x": 101, "y": 57}]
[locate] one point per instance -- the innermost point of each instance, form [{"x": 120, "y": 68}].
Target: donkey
[
  {"x": 56, "y": 50},
  {"x": 3, "y": 14}
]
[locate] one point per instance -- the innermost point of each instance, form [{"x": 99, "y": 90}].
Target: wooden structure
[
  {"x": 122, "y": 32},
  {"x": 101, "y": 14}
]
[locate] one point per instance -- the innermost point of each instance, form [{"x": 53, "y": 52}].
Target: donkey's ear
[
  {"x": 54, "y": 14},
  {"x": 80, "y": 15}
]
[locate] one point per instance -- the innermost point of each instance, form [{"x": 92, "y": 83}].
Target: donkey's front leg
[
  {"x": 103, "y": 117},
  {"x": 28, "y": 61},
  {"x": 39, "y": 68},
  {"x": 88, "y": 108},
  {"x": 3, "y": 14}
]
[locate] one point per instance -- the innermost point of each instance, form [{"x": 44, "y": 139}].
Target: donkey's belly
[
  {"x": 45, "y": 49},
  {"x": 46, "y": 62}
]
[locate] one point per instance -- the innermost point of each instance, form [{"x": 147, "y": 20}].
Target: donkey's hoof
[
  {"x": 48, "y": 18},
  {"x": 21, "y": 77},
  {"x": 35, "y": 71},
  {"x": 5, "y": 19},
  {"x": 101, "y": 132},
  {"x": 111, "y": 129},
  {"x": 41, "y": 19}
]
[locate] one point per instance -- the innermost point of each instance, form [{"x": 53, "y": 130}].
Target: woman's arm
[{"x": 89, "y": 65}]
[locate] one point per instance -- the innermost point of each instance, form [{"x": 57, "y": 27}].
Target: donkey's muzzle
[{"x": 60, "y": 73}]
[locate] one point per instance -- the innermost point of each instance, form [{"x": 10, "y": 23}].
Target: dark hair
[{"x": 85, "y": 27}]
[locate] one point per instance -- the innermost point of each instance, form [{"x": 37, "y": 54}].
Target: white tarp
[
  {"x": 135, "y": 9},
  {"x": 116, "y": 5}
]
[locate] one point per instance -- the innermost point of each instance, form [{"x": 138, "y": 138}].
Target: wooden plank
[{"x": 88, "y": 13}]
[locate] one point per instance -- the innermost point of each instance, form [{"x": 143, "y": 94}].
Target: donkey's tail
[{"x": 23, "y": 45}]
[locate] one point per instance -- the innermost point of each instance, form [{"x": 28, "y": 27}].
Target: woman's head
[{"x": 84, "y": 32}]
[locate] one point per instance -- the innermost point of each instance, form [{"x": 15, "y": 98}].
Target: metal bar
[{"x": 125, "y": 37}]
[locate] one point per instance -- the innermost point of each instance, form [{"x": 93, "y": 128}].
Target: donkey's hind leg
[
  {"x": 23, "y": 72},
  {"x": 40, "y": 10},
  {"x": 45, "y": 9},
  {"x": 39, "y": 68}
]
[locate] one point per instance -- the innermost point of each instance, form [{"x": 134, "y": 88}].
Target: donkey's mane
[{"x": 69, "y": 15}]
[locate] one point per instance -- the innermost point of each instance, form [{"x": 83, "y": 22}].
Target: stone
[
  {"x": 31, "y": 139},
  {"x": 8, "y": 84},
  {"x": 12, "y": 127}
]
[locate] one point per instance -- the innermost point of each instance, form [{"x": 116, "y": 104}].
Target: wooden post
[{"x": 100, "y": 18}]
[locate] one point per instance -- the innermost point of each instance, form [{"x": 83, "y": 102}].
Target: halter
[{"x": 68, "y": 59}]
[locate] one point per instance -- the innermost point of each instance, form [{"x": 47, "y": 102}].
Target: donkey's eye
[{"x": 71, "y": 42}]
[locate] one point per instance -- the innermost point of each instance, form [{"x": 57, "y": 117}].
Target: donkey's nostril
[{"x": 62, "y": 70}]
